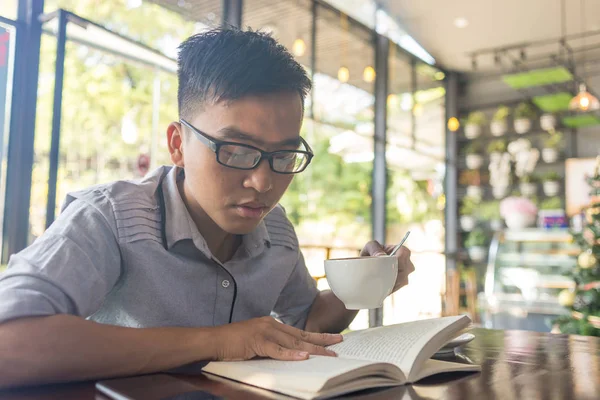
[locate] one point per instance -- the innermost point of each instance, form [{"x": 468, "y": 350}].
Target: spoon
[{"x": 400, "y": 244}]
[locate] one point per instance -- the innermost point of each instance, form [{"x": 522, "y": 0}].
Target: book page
[
  {"x": 307, "y": 376},
  {"x": 399, "y": 344}
]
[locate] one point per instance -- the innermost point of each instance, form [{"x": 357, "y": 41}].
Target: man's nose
[{"x": 260, "y": 178}]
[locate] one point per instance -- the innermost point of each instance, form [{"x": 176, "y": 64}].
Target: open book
[{"x": 384, "y": 356}]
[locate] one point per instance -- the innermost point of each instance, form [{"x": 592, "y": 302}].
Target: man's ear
[{"x": 175, "y": 141}]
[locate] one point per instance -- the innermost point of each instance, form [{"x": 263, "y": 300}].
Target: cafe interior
[{"x": 473, "y": 124}]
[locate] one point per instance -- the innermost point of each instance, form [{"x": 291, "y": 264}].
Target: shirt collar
[{"x": 179, "y": 224}]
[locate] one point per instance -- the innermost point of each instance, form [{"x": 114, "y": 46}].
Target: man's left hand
[{"x": 405, "y": 265}]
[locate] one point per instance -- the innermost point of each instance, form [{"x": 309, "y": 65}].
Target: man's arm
[
  {"x": 68, "y": 348},
  {"x": 62, "y": 348},
  {"x": 328, "y": 314}
]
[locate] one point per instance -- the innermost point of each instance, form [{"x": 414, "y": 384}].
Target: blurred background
[{"x": 474, "y": 124}]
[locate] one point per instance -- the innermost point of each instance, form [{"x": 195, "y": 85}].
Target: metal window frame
[{"x": 22, "y": 128}]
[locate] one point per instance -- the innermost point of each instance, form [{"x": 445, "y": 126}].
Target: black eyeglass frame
[{"x": 215, "y": 145}]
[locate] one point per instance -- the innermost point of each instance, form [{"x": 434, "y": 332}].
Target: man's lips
[{"x": 252, "y": 210}]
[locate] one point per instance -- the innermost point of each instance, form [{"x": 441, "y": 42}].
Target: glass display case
[{"x": 525, "y": 273}]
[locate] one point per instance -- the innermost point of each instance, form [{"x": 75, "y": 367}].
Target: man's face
[{"x": 237, "y": 200}]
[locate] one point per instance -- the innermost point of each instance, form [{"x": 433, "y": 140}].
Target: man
[{"x": 190, "y": 263}]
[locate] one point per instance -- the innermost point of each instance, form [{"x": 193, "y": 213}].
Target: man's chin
[{"x": 242, "y": 227}]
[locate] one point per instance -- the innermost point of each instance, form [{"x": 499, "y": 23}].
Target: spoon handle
[{"x": 400, "y": 244}]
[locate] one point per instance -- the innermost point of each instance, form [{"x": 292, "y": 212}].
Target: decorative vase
[
  {"x": 477, "y": 253},
  {"x": 522, "y": 125},
  {"x": 496, "y": 224},
  {"x": 517, "y": 221},
  {"x": 495, "y": 157},
  {"x": 467, "y": 222},
  {"x": 475, "y": 191},
  {"x": 528, "y": 189},
  {"x": 551, "y": 188},
  {"x": 474, "y": 161},
  {"x": 549, "y": 155},
  {"x": 472, "y": 131},
  {"x": 548, "y": 122},
  {"x": 498, "y": 128},
  {"x": 499, "y": 192}
]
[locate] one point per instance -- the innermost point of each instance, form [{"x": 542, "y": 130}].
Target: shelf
[{"x": 486, "y": 136}]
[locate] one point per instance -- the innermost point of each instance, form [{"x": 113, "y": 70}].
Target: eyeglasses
[{"x": 243, "y": 156}]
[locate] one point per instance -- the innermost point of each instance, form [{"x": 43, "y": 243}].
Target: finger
[
  {"x": 278, "y": 352},
  {"x": 291, "y": 342},
  {"x": 373, "y": 248},
  {"x": 321, "y": 339}
]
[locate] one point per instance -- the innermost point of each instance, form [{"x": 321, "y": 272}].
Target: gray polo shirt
[{"x": 103, "y": 259}]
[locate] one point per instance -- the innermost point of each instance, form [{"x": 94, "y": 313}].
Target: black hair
[{"x": 226, "y": 64}]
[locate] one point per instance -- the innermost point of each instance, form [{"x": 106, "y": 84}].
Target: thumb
[{"x": 374, "y": 249}]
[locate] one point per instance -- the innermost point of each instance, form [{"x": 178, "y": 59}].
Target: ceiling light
[
  {"x": 299, "y": 47},
  {"x": 453, "y": 124},
  {"x": 461, "y": 22},
  {"x": 369, "y": 74},
  {"x": 584, "y": 101},
  {"x": 392, "y": 101},
  {"x": 343, "y": 74}
]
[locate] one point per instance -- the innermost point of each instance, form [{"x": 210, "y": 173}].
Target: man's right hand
[{"x": 266, "y": 337}]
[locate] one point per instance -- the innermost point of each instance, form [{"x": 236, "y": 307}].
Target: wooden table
[{"x": 516, "y": 365}]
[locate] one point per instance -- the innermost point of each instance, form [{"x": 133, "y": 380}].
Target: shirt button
[{"x": 225, "y": 283}]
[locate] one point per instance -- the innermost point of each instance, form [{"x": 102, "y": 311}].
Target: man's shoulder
[
  {"x": 118, "y": 194},
  {"x": 280, "y": 228}
]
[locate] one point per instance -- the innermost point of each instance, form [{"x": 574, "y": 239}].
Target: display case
[{"x": 525, "y": 273}]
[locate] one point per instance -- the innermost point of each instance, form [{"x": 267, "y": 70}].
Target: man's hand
[
  {"x": 405, "y": 265},
  {"x": 266, "y": 337}
]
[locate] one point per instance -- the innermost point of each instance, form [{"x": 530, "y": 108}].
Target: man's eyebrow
[{"x": 232, "y": 133}]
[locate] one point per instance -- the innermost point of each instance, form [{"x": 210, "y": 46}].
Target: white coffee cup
[{"x": 362, "y": 282}]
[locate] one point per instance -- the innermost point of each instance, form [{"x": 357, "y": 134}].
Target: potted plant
[
  {"x": 490, "y": 211},
  {"x": 528, "y": 185},
  {"x": 548, "y": 122},
  {"x": 475, "y": 245},
  {"x": 474, "y": 158},
  {"x": 551, "y": 184},
  {"x": 496, "y": 148},
  {"x": 552, "y": 144},
  {"x": 518, "y": 212},
  {"x": 475, "y": 121},
  {"x": 524, "y": 113},
  {"x": 499, "y": 124},
  {"x": 468, "y": 221}
]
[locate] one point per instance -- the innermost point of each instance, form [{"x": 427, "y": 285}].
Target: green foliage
[
  {"x": 553, "y": 140},
  {"x": 497, "y": 146},
  {"x": 552, "y": 203},
  {"x": 476, "y": 238},
  {"x": 474, "y": 147},
  {"x": 501, "y": 113},
  {"x": 525, "y": 110},
  {"x": 529, "y": 179},
  {"x": 587, "y": 296},
  {"x": 469, "y": 205},
  {"x": 489, "y": 210},
  {"x": 476, "y": 118},
  {"x": 572, "y": 326},
  {"x": 552, "y": 176}
]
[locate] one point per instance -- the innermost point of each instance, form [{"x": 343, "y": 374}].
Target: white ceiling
[{"x": 492, "y": 23}]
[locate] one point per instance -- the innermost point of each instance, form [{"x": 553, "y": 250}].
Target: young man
[{"x": 190, "y": 263}]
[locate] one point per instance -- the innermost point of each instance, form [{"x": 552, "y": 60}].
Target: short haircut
[{"x": 226, "y": 64}]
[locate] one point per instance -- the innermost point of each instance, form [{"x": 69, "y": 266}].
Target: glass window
[
  {"x": 111, "y": 122},
  {"x": 7, "y": 48},
  {"x": 415, "y": 156},
  {"x": 9, "y": 9},
  {"x": 329, "y": 203}
]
